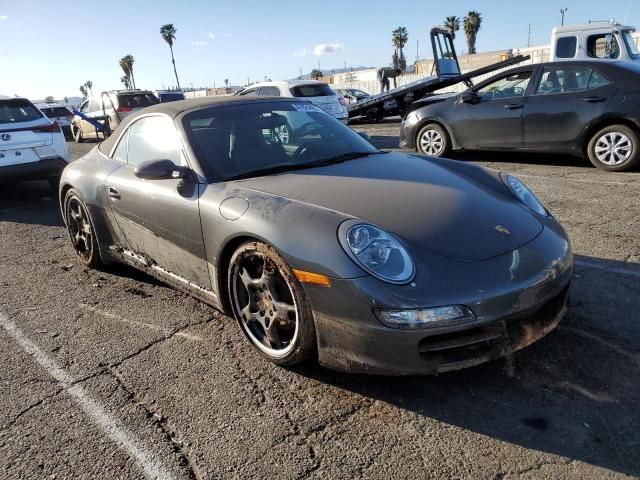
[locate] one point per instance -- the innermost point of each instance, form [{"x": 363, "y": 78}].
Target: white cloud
[
  {"x": 199, "y": 43},
  {"x": 213, "y": 36},
  {"x": 3, "y": 17},
  {"x": 325, "y": 48},
  {"x": 300, "y": 53}
]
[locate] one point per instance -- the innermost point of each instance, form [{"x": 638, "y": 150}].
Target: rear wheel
[
  {"x": 80, "y": 229},
  {"x": 270, "y": 305},
  {"x": 77, "y": 134},
  {"x": 433, "y": 140},
  {"x": 614, "y": 148}
]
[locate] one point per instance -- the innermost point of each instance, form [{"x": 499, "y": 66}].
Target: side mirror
[
  {"x": 469, "y": 97},
  {"x": 364, "y": 135},
  {"x": 160, "y": 170}
]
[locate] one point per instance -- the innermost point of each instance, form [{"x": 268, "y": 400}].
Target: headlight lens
[
  {"x": 379, "y": 253},
  {"x": 525, "y": 195},
  {"x": 426, "y": 317}
]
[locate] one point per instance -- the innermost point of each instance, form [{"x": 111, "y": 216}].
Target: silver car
[{"x": 323, "y": 247}]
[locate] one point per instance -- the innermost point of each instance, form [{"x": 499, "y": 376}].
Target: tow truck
[
  {"x": 607, "y": 41},
  {"x": 447, "y": 72}
]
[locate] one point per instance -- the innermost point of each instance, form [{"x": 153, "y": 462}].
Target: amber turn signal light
[{"x": 308, "y": 277}]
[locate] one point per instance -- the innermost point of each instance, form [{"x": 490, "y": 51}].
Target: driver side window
[{"x": 514, "y": 85}]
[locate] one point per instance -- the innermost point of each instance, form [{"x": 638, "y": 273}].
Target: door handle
[
  {"x": 513, "y": 106},
  {"x": 594, "y": 99},
  {"x": 113, "y": 193}
]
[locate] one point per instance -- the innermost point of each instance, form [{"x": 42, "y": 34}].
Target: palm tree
[
  {"x": 125, "y": 68},
  {"x": 83, "y": 90},
  {"x": 168, "y": 33},
  {"x": 452, "y": 24},
  {"x": 471, "y": 24},
  {"x": 89, "y": 84},
  {"x": 128, "y": 60},
  {"x": 315, "y": 73},
  {"x": 399, "y": 38},
  {"x": 226, "y": 82},
  {"x": 125, "y": 81}
]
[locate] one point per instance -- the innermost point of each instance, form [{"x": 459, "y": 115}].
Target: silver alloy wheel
[
  {"x": 265, "y": 305},
  {"x": 283, "y": 134},
  {"x": 431, "y": 142},
  {"x": 613, "y": 148},
  {"x": 79, "y": 228}
]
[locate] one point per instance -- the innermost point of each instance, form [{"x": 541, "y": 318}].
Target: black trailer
[{"x": 398, "y": 101}]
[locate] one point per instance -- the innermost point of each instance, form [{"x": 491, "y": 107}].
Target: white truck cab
[{"x": 594, "y": 41}]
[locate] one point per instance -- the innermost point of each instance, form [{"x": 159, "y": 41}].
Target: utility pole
[
  {"x": 529, "y": 38},
  {"x": 300, "y": 73},
  {"x": 417, "y": 49},
  {"x": 562, "y": 12},
  {"x": 345, "y": 67}
]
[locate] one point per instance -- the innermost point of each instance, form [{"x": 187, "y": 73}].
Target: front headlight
[
  {"x": 377, "y": 252},
  {"x": 523, "y": 194}
]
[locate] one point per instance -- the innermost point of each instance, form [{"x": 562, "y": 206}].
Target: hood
[
  {"x": 422, "y": 201},
  {"x": 430, "y": 99}
]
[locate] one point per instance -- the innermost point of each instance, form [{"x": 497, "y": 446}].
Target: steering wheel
[{"x": 303, "y": 149}]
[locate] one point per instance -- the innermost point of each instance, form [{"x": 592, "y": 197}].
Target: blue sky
[{"x": 51, "y": 47}]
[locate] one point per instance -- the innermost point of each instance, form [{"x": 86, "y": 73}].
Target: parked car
[
  {"x": 169, "y": 95},
  {"x": 316, "y": 92},
  {"x": 111, "y": 107},
  {"x": 589, "y": 109},
  {"x": 32, "y": 147},
  {"x": 322, "y": 246},
  {"x": 352, "y": 95},
  {"x": 59, "y": 113}
]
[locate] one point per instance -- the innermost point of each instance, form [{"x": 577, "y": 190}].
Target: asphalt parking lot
[{"x": 110, "y": 374}]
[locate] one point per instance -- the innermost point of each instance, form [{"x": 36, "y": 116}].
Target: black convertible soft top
[{"x": 173, "y": 109}]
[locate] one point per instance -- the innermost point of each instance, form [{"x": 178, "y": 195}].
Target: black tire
[
  {"x": 77, "y": 135},
  {"x": 270, "y": 305},
  {"x": 433, "y": 140},
  {"x": 54, "y": 183},
  {"x": 614, "y": 148},
  {"x": 80, "y": 229}
]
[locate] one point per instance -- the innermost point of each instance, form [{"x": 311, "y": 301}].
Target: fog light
[{"x": 426, "y": 317}]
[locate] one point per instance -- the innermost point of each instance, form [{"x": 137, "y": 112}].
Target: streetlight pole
[{"x": 562, "y": 12}]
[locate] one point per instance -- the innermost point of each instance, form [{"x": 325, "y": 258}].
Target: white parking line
[
  {"x": 137, "y": 323},
  {"x": 601, "y": 266},
  {"x": 112, "y": 427}
]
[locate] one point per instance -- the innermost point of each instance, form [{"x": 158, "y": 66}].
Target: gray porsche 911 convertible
[{"x": 323, "y": 246}]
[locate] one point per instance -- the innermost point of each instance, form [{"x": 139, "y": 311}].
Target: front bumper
[
  {"x": 516, "y": 303},
  {"x": 42, "y": 169}
]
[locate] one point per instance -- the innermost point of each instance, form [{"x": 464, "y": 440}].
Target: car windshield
[
  {"x": 17, "y": 111},
  {"x": 631, "y": 44},
  {"x": 56, "y": 112},
  {"x": 258, "y": 138},
  {"x": 312, "y": 90},
  {"x": 137, "y": 100},
  {"x": 171, "y": 97}
]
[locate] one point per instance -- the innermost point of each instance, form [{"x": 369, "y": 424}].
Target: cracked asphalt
[{"x": 111, "y": 374}]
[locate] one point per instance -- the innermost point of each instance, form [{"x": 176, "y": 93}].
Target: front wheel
[
  {"x": 270, "y": 305},
  {"x": 433, "y": 140},
  {"x": 77, "y": 135},
  {"x": 614, "y": 148}
]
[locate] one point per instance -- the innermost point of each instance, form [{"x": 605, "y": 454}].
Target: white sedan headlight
[
  {"x": 378, "y": 253},
  {"x": 523, "y": 194}
]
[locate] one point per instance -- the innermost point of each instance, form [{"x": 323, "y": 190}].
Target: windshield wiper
[{"x": 287, "y": 167}]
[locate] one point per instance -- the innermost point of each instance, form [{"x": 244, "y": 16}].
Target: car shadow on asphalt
[
  {"x": 32, "y": 202},
  {"x": 574, "y": 393}
]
